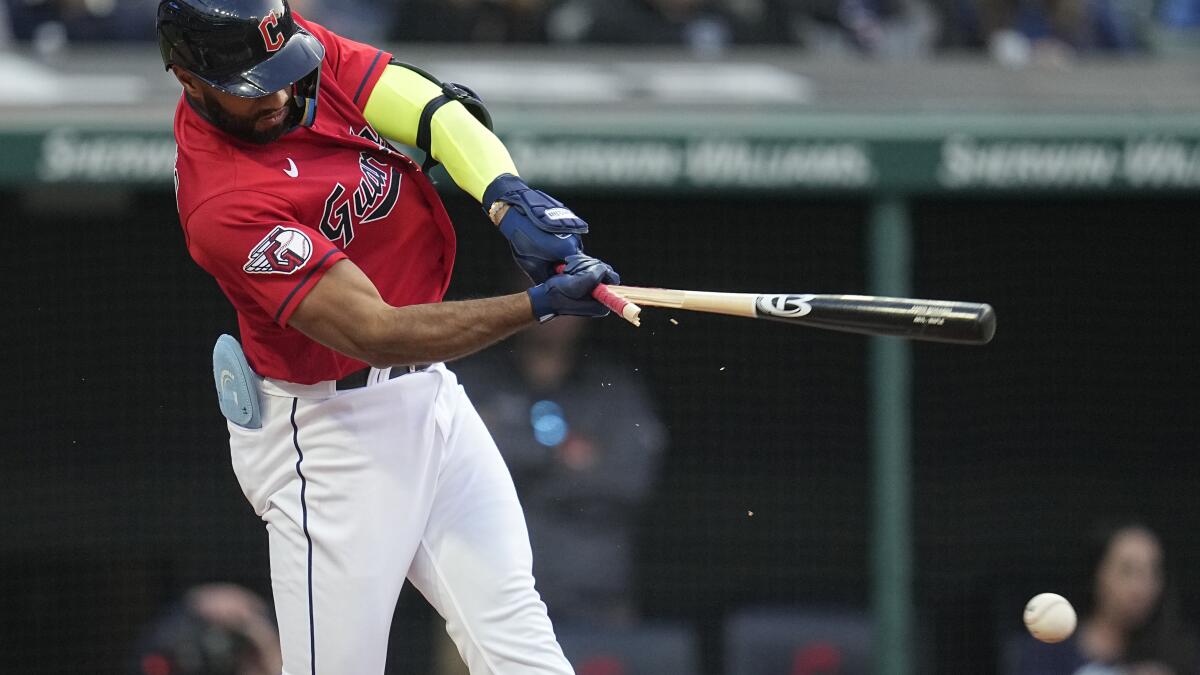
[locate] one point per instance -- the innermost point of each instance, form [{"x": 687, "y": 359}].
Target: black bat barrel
[{"x": 932, "y": 320}]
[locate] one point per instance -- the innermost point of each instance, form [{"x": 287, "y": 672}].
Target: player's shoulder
[
  {"x": 220, "y": 218},
  {"x": 236, "y": 205},
  {"x": 209, "y": 168},
  {"x": 200, "y": 147},
  {"x": 205, "y": 177},
  {"x": 347, "y": 61},
  {"x": 310, "y": 26}
]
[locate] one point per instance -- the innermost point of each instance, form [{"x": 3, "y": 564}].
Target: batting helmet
[{"x": 247, "y": 48}]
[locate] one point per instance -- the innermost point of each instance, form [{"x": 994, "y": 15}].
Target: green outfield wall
[{"x": 785, "y": 154}]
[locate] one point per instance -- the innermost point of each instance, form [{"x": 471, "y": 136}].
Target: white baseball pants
[{"x": 363, "y": 488}]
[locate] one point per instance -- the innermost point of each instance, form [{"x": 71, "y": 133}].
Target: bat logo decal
[{"x": 784, "y": 306}]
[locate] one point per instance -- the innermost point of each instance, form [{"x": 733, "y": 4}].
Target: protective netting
[
  {"x": 1080, "y": 413},
  {"x": 118, "y": 493}
]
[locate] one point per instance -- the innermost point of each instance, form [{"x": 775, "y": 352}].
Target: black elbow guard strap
[{"x": 451, "y": 92}]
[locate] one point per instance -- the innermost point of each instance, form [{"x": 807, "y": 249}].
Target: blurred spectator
[
  {"x": 1181, "y": 14},
  {"x": 1020, "y": 32},
  {"x": 1179, "y": 29},
  {"x": 50, "y": 24},
  {"x": 580, "y": 437},
  {"x": 498, "y": 21},
  {"x": 362, "y": 20},
  {"x": 704, "y": 26},
  {"x": 887, "y": 29},
  {"x": 5, "y": 27},
  {"x": 217, "y": 629},
  {"x": 1133, "y": 626},
  {"x": 760, "y": 21}
]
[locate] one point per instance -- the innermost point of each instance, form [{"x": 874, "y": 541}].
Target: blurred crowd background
[{"x": 1014, "y": 32}]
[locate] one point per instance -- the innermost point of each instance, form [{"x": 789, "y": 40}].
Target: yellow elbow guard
[
  {"x": 403, "y": 106},
  {"x": 451, "y": 92}
]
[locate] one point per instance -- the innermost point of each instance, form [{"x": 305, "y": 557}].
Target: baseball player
[{"x": 348, "y": 435}]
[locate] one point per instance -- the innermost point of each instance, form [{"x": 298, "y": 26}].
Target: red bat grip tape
[{"x": 602, "y": 295}]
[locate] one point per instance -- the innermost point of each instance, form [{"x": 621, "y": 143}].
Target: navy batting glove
[
  {"x": 541, "y": 232},
  {"x": 571, "y": 291}
]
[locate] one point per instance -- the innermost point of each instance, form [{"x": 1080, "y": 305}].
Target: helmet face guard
[{"x": 246, "y": 48}]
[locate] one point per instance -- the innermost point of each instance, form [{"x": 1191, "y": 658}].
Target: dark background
[{"x": 117, "y": 492}]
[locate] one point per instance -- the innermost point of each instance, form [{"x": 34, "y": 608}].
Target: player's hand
[
  {"x": 571, "y": 291},
  {"x": 541, "y": 232}
]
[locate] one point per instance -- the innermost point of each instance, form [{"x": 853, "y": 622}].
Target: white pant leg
[
  {"x": 474, "y": 563},
  {"x": 345, "y": 484}
]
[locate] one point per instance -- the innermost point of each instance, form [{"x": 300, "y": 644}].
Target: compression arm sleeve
[{"x": 472, "y": 154}]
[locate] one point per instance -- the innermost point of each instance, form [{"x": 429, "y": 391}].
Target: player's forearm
[
  {"x": 441, "y": 332},
  {"x": 472, "y": 154},
  {"x": 345, "y": 312}
]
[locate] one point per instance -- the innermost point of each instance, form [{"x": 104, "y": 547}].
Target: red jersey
[{"x": 267, "y": 221}]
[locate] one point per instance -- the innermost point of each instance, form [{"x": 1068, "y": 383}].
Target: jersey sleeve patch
[{"x": 283, "y": 251}]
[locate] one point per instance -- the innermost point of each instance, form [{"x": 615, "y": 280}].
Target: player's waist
[{"x": 367, "y": 377}]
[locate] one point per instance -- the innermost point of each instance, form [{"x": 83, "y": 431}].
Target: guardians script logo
[{"x": 372, "y": 199}]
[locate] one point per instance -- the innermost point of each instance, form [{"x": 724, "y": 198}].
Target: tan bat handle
[{"x": 731, "y": 304}]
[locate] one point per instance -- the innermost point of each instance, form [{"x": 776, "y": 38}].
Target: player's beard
[{"x": 246, "y": 129}]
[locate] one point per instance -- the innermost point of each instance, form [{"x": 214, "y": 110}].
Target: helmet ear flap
[
  {"x": 308, "y": 110},
  {"x": 305, "y": 96}
]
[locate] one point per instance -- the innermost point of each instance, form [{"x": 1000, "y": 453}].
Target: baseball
[{"x": 1049, "y": 617}]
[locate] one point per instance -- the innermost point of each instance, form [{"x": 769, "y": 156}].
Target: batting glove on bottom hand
[{"x": 571, "y": 291}]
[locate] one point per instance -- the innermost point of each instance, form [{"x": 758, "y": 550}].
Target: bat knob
[{"x": 987, "y": 324}]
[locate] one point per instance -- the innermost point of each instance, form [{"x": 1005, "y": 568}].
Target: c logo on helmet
[{"x": 271, "y": 33}]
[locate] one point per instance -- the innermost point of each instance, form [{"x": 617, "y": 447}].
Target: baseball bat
[{"x": 915, "y": 319}]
